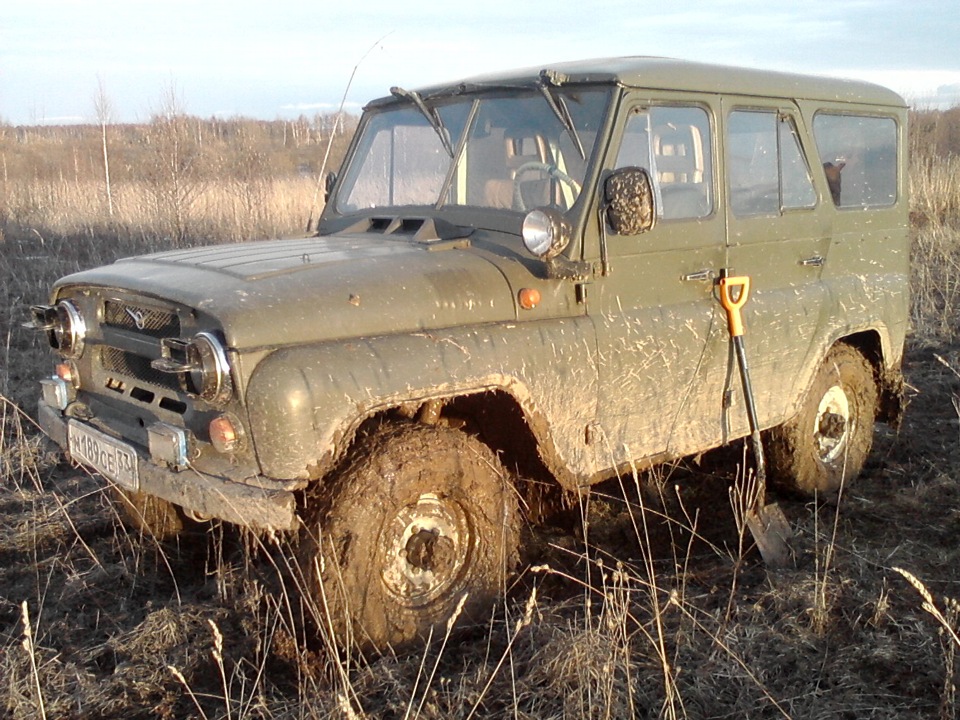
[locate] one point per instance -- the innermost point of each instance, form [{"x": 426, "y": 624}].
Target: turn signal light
[
  {"x": 528, "y": 298},
  {"x": 224, "y": 434},
  {"x": 68, "y": 373}
]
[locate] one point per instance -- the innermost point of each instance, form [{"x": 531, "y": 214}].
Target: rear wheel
[
  {"x": 827, "y": 443},
  {"x": 420, "y": 518}
]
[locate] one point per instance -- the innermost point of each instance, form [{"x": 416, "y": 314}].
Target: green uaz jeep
[{"x": 513, "y": 284}]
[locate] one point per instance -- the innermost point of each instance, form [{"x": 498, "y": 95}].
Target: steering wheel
[{"x": 551, "y": 170}]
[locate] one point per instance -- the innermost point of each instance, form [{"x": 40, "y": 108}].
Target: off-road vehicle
[{"x": 513, "y": 285}]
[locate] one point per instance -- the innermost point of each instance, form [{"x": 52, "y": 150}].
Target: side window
[
  {"x": 673, "y": 145},
  {"x": 795, "y": 181},
  {"x": 765, "y": 163},
  {"x": 859, "y": 156}
]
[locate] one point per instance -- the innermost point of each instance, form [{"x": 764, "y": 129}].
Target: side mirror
[
  {"x": 328, "y": 184},
  {"x": 628, "y": 198}
]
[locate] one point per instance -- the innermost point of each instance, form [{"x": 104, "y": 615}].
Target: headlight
[
  {"x": 209, "y": 373},
  {"x": 64, "y": 326},
  {"x": 545, "y": 232},
  {"x": 201, "y": 363}
]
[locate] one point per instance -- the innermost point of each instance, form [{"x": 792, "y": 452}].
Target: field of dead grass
[
  {"x": 643, "y": 605},
  {"x": 647, "y": 610}
]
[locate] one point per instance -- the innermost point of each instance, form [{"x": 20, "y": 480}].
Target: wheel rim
[
  {"x": 426, "y": 547},
  {"x": 832, "y": 425}
]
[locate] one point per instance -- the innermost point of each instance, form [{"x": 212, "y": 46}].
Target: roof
[{"x": 657, "y": 73}]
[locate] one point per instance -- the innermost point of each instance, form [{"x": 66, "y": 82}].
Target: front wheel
[
  {"x": 419, "y": 517},
  {"x": 827, "y": 443}
]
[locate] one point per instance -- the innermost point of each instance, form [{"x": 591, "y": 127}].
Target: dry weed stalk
[
  {"x": 186, "y": 686},
  {"x": 948, "y": 621},
  {"x": 673, "y": 703},
  {"x": 823, "y": 560},
  {"x": 743, "y": 495},
  {"x": 521, "y": 623},
  {"x": 446, "y": 637},
  {"x": 28, "y": 646},
  {"x": 20, "y": 447}
]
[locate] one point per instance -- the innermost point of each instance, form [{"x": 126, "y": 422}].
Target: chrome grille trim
[{"x": 137, "y": 318}]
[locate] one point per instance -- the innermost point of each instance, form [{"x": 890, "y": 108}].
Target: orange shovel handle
[{"x": 728, "y": 286}]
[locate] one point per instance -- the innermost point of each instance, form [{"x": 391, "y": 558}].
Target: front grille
[
  {"x": 136, "y": 367},
  {"x": 148, "y": 321}
]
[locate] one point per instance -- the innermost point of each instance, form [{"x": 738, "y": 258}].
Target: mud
[
  {"x": 840, "y": 633},
  {"x": 421, "y": 524}
]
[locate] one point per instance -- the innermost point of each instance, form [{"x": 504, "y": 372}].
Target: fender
[
  {"x": 850, "y": 315},
  {"x": 306, "y": 403}
]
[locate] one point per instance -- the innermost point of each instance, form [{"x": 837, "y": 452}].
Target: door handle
[
  {"x": 815, "y": 261},
  {"x": 700, "y": 276}
]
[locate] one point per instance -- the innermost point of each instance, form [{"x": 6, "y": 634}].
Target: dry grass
[
  {"x": 612, "y": 628},
  {"x": 224, "y": 211},
  {"x": 935, "y": 215},
  {"x": 650, "y": 604}
]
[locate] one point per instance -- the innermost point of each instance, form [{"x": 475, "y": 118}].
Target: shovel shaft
[{"x": 759, "y": 460}]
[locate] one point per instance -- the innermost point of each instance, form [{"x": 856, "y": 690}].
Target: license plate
[{"x": 110, "y": 457}]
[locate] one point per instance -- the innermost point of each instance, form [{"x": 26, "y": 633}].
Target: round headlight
[
  {"x": 209, "y": 373},
  {"x": 545, "y": 233},
  {"x": 68, "y": 331}
]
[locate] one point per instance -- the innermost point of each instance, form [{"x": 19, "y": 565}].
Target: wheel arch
[
  {"x": 498, "y": 419},
  {"x": 887, "y": 371},
  {"x": 306, "y": 404}
]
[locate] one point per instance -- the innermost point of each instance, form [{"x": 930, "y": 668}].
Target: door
[
  {"x": 661, "y": 333},
  {"x": 778, "y": 235}
]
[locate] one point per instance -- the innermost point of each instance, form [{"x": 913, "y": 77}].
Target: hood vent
[{"x": 428, "y": 231}]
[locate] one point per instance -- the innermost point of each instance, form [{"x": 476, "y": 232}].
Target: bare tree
[
  {"x": 103, "y": 108},
  {"x": 175, "y": 172}
]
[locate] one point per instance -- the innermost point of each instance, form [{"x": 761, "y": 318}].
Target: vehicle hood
[{"x": 285, "y": 292}]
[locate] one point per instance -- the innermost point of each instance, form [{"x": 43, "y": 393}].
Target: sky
[{"x": 282, "y": 58}]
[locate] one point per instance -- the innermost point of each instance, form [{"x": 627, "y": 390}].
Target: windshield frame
[{"x": 593, "y": 117}]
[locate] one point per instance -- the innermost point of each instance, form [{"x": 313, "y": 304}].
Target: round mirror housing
[{"x": 545, "y": 232}]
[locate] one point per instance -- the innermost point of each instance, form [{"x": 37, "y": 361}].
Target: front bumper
[{"x": 198, "y": 493}]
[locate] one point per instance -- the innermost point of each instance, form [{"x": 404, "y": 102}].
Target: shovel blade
[{"x": 771, "y": 532}]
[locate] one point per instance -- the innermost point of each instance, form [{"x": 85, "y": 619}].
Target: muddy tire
[
  {"x": 827, "y": 443},
  {"x": 419, "y": 516},
  {"x": 151, "y": 515}
]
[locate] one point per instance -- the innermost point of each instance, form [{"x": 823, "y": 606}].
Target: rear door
[{"x": 778, "y": 235}]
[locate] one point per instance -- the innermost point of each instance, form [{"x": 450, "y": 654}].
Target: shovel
[{"x": 768, "y": 525}]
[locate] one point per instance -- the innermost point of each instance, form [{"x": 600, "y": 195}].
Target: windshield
[{"x": 512, "y": 152}]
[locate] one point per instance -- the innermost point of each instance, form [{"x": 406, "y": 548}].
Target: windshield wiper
[
  {"x": 551, "y": 79},
  {"x": 432, "y": 116}
]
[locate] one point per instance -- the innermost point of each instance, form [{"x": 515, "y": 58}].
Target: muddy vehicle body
[{"x": 513, "y": 284}]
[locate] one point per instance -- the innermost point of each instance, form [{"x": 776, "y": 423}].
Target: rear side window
[
  {"x": 766, "y": 166},
  {"x": 859, "y": 156}
]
